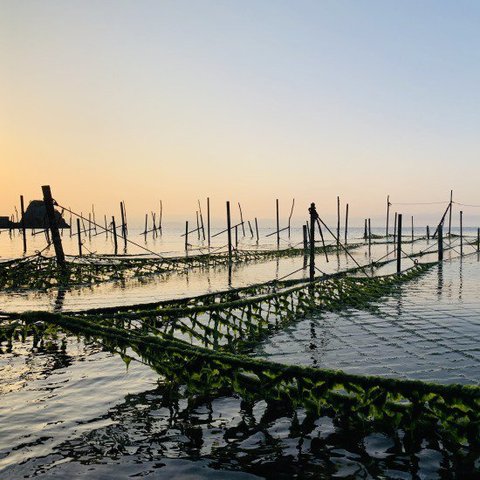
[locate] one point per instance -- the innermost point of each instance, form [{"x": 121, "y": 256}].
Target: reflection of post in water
[
  {"x": 305, "y": 246},
  {"x": 439, "y": 280},
  {"x": 460, "y": 285},
  {"x": 277, "y": 267},
  {"x": 313, "y": 344},
  {"x": 58, "y": 307}
]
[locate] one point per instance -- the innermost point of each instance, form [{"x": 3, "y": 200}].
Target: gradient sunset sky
[{"x": 241, "y": 100}]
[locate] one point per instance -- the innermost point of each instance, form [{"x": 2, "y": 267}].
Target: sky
[{"x": 241, "y": 100}]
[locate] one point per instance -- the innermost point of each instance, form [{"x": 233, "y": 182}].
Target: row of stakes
[{"x": 157, "y": 229}]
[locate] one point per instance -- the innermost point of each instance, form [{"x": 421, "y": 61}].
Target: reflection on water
[
  {"x": 428, "y": 331},
  {"x": 199, "y": 281},
  {"x": 69, "y": 409},
  {"x": 58, "y": 430}
]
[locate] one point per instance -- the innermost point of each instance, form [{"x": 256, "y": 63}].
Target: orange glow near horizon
[{"x": 179, "y": 102}]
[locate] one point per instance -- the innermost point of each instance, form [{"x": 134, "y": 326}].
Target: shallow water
[
  {"x": 69, "y": 409},
  {"x": 428, "y": 331},
  {"x": 199, "y": 281}
]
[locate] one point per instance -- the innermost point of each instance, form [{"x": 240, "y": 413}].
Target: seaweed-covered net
[
  {"x": 41, "y": 272},
  {"x": 201, "y": 343}
]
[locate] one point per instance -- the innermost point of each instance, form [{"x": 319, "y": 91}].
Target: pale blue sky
[{"x": 242, "y": 100}]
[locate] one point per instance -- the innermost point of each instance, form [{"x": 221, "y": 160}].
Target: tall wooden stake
[
  {"x": 440, "y": 242},
  {"x": 413, "y": 234},
  {"x": 57, "y": 241},
  {"x": 22, "y": 221},
  {"x": 201, "y": 220},
  {"x": 278, "y": 223},
  {"x": 461, "y": 233},
  {"x": 395, "y": 228},
  {"x": 186, "y": 236},
  {"x": 388, "y": 216},
  {"x": 241, "y": 219},
  {"x": 208, "y": 221},
  {"x": 198, "y": 226},
  {"x": 399, "y": 243},
  {"x": 114, "y": 230},
  {"x": 450, "y": 215},
  {"x": 250, "y": 228},
  {"x": 79, "y": 233},
  {"x": 290, "y": 218},
  {"x": 256, "y": 229},
  {"x": 338, "y": 221},
  {"x": 124, "y": 226},
  {"x": 346, "y": 223},
  {"x": 229, "y": 233},
  {"x": 160, "y": 218},
  {"x": 313, "y": 219}
]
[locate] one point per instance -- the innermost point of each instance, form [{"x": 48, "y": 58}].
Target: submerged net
[{"x": 201, "y": 343}]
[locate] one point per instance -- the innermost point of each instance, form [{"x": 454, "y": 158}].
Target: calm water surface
[{"x": 70, "y": 409}]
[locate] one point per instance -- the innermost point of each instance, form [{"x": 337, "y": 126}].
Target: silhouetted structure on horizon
[{"x": 35, "y": 217}]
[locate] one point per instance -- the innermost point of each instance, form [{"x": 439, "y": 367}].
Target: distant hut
[
  {"x": 36, "y": 216},
  {"x": 5, "y": 222}
]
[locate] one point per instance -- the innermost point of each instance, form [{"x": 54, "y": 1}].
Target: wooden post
[
  {"x": 428, "y": 232},
  {"x": 478, "y": 239},
  {"x": 413, "y": 234},
  {"x": 346, "y": 224},
  {"x": 208, "y": 221},
  {"x": 399, "y": 244},
  {"x": 338, "y": 220},
  {"x": 94, "y": 218},
  {"x": 22, "y": 221},
  {"x": 450, "y": 215},
  {"x": 229, "y": 233},
  {"x": 79, "y": 238},
  {"x": 369, "y": 231},
  {"x": 154, "y": 224},
  {"x": 124, "y": 227},
  {"x": 160, "y": 218},
  {"x": 146, "y": 225},
  {"x": 241, "y": 219},
  {"x": 305, "y": 238},
  {"x": 250, "y": 228},
  {"x": 57, "y": 241},
  {"x": 198, "y": 226},
  {"x": 89, "y": 225},
  {"x": 365, "y": 230},
  {"x": 323, "y": 240},
  {"x": 313, "y": 219},
  {"x": 395, "y": 228},
  {"x": 186, "y": 236},
  {"x": 106, "y": 226},
  {"x": 290, "y": 218},
  {"x": 278, "y": 223},
  {"x": 388, "y": 216},
  {"x": 461, "y": 233},
  {"x": 236, "y": 236},
  {"x": 256, "y": 229},
  {"x": 115, "y": 241},
  {"x": 202, "y": 225},
  {"x": 440, "y": 242}
]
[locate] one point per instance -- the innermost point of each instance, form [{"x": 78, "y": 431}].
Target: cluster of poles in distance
[
  {"x": 203, "y": 230},
  {"x": 200, "y": 227}
]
